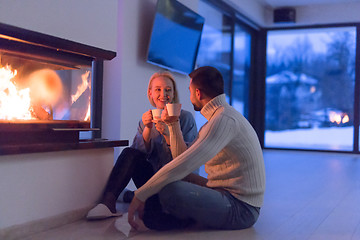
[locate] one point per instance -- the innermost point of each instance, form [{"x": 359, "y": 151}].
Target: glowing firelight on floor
[{"x": 14, "y": 103}]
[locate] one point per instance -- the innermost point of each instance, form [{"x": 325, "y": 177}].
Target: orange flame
[
  {"x": 14, "y": 103},
  {"x": 39, "y": 99},
  {"x": 87, "y": 117},
  {"x": 82, "y": 87}
]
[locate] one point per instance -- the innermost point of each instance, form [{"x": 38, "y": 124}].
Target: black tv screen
[{"x": 175, "y": 37}]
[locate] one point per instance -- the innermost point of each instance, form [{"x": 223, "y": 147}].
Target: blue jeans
[{"x": 181, "y": 203}]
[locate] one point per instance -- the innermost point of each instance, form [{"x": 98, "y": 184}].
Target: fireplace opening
[
  {"x": 50, "y": 88},
  {"x": 36, "y": 91}
]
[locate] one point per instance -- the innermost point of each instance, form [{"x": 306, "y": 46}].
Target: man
[{"x": 232, "y": 194}]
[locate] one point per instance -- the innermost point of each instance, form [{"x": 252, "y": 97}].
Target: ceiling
[{"x": 295, "y": 3}]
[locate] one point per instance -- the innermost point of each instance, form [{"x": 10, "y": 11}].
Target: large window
[{"x": 310, "y": 85}]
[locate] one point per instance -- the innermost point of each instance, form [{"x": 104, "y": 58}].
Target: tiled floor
[{"x": 309, "y": 196}]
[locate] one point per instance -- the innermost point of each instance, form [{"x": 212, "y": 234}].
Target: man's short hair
[{"x": 209, "y": 80}]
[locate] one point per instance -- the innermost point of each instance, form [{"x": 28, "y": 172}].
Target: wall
[
  {"x": 91, "y": 22},
  {"x": 252, "y": 9},
  {"x": 305, "y": 15},
  {"x": 43, "y": 185},
  {"x": 331, "y": 13}
]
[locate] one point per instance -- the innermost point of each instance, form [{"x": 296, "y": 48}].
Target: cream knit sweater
[{"x": 227, "y": 145}]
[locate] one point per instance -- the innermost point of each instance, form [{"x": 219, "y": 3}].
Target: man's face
[{"x": 194, "y": 98}]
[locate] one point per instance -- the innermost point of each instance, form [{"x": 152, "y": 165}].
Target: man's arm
[
  {"x": 177, "y": 143},
  {"x": 212, "y": 139}
]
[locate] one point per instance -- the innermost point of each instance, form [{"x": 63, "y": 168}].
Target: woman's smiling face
[{"x": 161, "y": 91}]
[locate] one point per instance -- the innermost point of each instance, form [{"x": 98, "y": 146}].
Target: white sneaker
[{"x": 101, "y": 211}]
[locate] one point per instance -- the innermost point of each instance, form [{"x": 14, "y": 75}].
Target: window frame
[{"x": 355, "y": 148}]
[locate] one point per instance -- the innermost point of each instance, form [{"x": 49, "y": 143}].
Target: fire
[
  {"x": 80, "y": 90},
  {"x": 42, "y": 97},
  {"x": 87, "y": 117},
  {"x": 14, "y": 104},
  {"x": 82, "y": 87},
  {"x": 46, "y": 87},
  {"x": 46, "y": 90}
]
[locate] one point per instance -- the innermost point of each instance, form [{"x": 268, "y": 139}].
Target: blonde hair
[{"x": 164, "y": 74}]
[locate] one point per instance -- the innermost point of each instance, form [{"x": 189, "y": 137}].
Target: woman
[{"x": 150, "y": 149}]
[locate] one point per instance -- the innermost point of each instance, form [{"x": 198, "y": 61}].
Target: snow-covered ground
[{"x": 334, "y": 138}]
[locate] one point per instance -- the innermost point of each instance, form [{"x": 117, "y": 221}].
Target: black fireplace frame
[{"x": 37, "y": 46}]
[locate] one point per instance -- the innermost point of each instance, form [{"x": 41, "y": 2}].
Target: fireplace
[{"x": 50, "y": 89}]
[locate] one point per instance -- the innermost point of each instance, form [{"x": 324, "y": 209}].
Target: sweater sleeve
[
  {"x": 182, "y": 133},
  {"x": 177, "y": 143},
  {"x": 155, "y": 139},
  {"x": 213, "y": 137}
]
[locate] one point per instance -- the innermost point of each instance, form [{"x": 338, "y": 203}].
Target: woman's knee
[
  {"x": 131, "y": 151},
  {"x": 130, "y": 156}
]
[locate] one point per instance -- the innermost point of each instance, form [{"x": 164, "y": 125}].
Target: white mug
[{"x": 173, "y": 109}]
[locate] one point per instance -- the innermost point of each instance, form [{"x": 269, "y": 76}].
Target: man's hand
[
  {"x": 166, "y": 118},
  {"x": 136, "y": 206}
]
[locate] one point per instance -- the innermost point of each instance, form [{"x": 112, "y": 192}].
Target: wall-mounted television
[{"x": 175, "y": 37}]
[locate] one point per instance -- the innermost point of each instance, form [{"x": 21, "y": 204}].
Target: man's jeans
[{"x": 181, "y": 203}]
